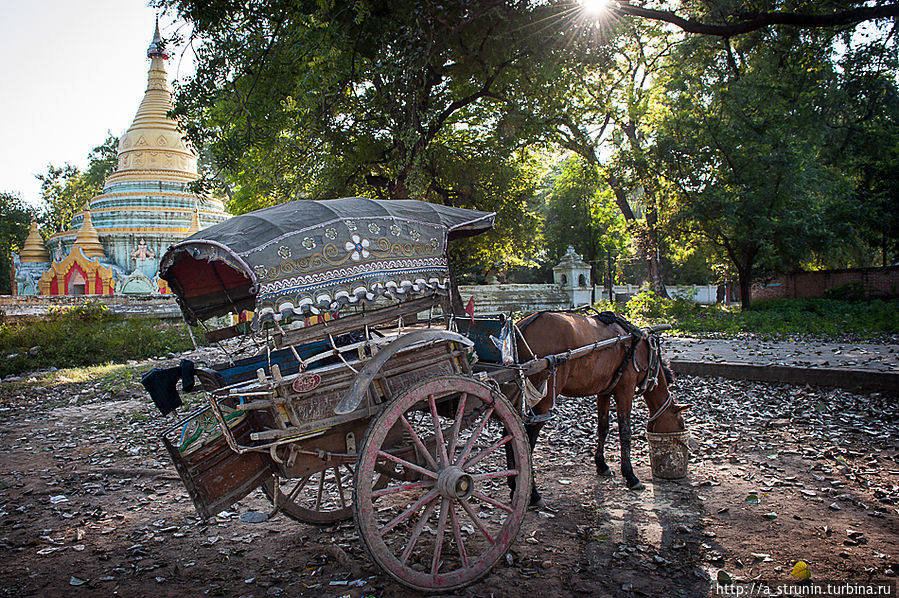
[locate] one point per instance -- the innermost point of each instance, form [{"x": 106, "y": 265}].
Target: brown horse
[{"x": 616, "y": 371}]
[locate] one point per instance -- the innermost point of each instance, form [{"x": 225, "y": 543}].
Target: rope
[{"x": 661, "y": 410}]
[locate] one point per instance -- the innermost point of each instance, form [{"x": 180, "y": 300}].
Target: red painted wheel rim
[{"x": 454, "y": 496}]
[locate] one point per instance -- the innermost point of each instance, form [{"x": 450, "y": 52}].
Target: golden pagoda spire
[
  {"x": 33, "y": 250},
  {"x": 88, "y": 239},
  {"x": 153, "y": 147}
]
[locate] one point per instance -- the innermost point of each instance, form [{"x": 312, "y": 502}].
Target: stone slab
[{"x": 849, "y": 379}]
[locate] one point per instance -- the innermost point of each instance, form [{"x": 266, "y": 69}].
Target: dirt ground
[{"x": 91, "y": 506}]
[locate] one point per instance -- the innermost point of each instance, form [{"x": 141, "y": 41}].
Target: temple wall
[
  {"x": 503, "y": 298},
  {"x": 24, "y": 307}
]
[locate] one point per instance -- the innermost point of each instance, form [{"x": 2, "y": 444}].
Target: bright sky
[{"x": 71, "y": 70}]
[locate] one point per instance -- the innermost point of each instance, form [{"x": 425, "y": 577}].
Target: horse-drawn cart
[
  {"x": 345, "y": 409},
  {"x": 358, "y": 414}
]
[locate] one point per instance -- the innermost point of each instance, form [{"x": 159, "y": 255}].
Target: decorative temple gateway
[{"x": 114, "y": 244}]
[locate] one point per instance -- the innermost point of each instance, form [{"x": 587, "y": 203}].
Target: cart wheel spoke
[
  {"x": 506, "y": 473},
  {"x": 296, "y": 489},
  {"x": 321, "y": 487},
  {"x": 339, "y": 483},
  {"x": 441, "y": 530},
  {"x": 454, "y": 431},
  {"x": 495, "y": 503},
  {"x": 476, "y": 520},
  {"x": 403, "y": 488},
  {"x": 427, "y": 498},
  {"x": 438, "y": 431},
  {"x": 418, "y": 443},
  {"x": 407, "y": 464},
  {"x": 474, "y": 436},
  {"x": 457, "y": 532},
  {"x": 486, "y": 452},
  {"x": 413, "y": 539}
]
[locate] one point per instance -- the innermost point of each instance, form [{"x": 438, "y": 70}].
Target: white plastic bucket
[{"x": 668, "y": 454}]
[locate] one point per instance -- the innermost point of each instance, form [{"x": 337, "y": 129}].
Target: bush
[
  {"x": 775, "y": 317},
  {"x": 86, "y": 335}
]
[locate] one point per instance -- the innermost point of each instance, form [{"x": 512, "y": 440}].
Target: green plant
[
  {"x": 87, "y": 335},
  {"x": 774, "y": 318}
]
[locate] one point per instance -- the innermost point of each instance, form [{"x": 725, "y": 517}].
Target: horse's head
[{"x": 671, "y": 418}]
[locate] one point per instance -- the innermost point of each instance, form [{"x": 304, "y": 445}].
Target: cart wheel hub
[{"x": 452, "y": 482}]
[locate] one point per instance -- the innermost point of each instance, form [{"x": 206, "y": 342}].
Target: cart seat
[{"x": 479, "y": 332}]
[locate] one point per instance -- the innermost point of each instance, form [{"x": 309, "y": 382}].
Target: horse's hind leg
[
  {"x": 533, "y": 430},
  {"x": 623, "y": 407},
  {"x": 602, "y": 432}
]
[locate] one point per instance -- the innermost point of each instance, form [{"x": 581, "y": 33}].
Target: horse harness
[{"x": 650, "y": 380}]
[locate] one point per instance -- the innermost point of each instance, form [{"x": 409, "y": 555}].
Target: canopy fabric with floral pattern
[{"x": 304, "y": 257}]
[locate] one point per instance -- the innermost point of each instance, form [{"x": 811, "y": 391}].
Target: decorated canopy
[{"x": 304, "y": 257}]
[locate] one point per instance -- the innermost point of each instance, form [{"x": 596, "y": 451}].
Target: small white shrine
[{"x": 572, "y": 275}]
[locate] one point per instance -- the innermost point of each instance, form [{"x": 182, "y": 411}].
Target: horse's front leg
[
  {"x": 624, "y": 431},
  {"x": 533, "y": 431},
  {"x": 602, "y": 432}
]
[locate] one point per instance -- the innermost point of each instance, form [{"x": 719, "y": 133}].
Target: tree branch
[{"x": 754, "y": 21}]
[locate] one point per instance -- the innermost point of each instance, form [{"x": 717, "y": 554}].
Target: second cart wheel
[
  {"x": 447, "y": 514},
  {"x": 320, "y": 498}
]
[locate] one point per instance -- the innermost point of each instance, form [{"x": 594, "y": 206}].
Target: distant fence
[
  {"x": 867, "y": 282},
  {"x": 503, "y": 298},
  {"x": 703, "y": 294},
  {"x": 488, "y": 299},
  {"x": 24, "y": 307}
]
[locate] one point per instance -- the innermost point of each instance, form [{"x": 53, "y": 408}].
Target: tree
[
  {"x": 581, "y": 211},
  {"x": 15, "y": 218},
  {"x": 602, "y": 116},
  {"x": 300, "y": 100},
  {"x": 866, "y": 146},
  {"x": 741, "y": 143},
  {"x": 741, "y": 17},
  {"x": 65, "y": 190}
]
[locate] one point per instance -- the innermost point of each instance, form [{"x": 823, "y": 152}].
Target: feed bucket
[{"x": 668, "y": 454}]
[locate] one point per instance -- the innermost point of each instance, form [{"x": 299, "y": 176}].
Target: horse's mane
[{"x": 666, "y": 369}]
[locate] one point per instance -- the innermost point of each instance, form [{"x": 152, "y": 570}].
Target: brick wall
[{"x": 874, "y": 282}]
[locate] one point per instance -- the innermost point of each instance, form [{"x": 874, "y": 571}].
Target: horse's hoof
[
  {"x": 537, "y": 504},
  {"x": 638, "y": 486},
  {"x": 606, "y": 473}
]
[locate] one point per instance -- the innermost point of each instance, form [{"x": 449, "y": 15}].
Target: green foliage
[
  {"x": 741, "y": 141},
  {"x": 87, "y": 335},
  {"x": 580, "y": 211},
  {"x": 306, "y": 100},
  {"x": 15, "y": 218},
  {"x": 766, "y": 151},
  {"x": 65, "y": 189},
  {"x": 777, "y": 318}
]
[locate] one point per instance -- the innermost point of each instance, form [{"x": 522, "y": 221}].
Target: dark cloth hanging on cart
[{"x": 160, "y": 383}]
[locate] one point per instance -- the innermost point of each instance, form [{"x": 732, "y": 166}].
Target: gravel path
[{"x": 91, "y": 506}]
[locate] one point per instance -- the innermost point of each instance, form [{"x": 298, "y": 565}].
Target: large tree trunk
[
  {"x": 655, "y": 274},
  {"x": 744, "y": 276},
  {"x": 651, "y": 247}
]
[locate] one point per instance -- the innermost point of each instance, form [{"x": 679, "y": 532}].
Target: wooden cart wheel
[
  {"x": 320, "y": 498},
  {"x": 446, "y": 517}
]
